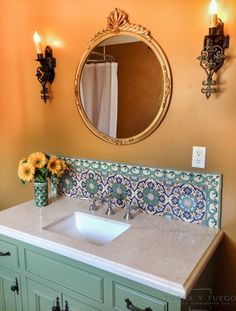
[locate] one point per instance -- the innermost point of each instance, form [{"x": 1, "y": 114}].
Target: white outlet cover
[{"x": 198, "y": 157}]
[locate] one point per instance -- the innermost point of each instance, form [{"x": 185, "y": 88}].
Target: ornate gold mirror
[{"x": 123, "y": 82}]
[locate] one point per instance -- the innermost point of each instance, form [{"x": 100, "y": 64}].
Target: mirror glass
[{"x": 123, "y": 86}]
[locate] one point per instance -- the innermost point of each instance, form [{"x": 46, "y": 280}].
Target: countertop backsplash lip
[{"x": 191, "y": 196}]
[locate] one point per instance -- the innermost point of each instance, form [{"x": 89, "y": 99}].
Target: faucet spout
[{"x": 108, "y": 200}]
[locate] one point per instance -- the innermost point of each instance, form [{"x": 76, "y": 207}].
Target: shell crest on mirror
[{"x": 118, "y": 21}]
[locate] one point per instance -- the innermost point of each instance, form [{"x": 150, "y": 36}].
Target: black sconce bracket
[
  {"x": 45, "y": 72},
  {"x": 212, "y": 56}
]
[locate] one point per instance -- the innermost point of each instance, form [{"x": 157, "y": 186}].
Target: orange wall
[{"x": 27, "y": 124}]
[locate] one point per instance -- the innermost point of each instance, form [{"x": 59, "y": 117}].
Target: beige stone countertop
[{"x": 168, "y": 255}]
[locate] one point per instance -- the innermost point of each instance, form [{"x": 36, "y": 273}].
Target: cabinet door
[
  {"x": 41, "y": 297},
  {"x": 10, "y": 295}
]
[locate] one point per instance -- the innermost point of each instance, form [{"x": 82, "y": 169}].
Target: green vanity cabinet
[
  {"x": 79, "y": 285},
  {"x": 9, "y": 255},
  {"x": 10, "y": 288},
  {"x": 41, "y": 297},
  {"x": 140, "y": 297},
  {"x": 82, "y": 279},
  {"x": 123, "y": 295},
  {"x": 50, "y": 280},
  {"x": 10, "y": 296}
]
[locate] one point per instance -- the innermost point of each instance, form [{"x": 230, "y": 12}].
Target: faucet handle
[
  {"x": 128, "y": 215},
  {"x": 93, "y": 200}
]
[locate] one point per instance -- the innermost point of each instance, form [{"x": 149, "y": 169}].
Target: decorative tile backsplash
[{"x": 190, "y": 196}]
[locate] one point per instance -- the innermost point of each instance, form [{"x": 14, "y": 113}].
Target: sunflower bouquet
[{"x": 38, "y": 167}]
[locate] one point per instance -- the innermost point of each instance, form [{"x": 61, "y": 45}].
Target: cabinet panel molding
[{"x": 81, "y": 281}]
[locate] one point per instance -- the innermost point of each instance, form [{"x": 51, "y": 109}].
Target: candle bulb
[
  {"x": 213, "y": 14},
  {"x": 37, "y": 42}
]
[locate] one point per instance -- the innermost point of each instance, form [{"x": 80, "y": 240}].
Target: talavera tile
[{"x": 189, "y": 196}]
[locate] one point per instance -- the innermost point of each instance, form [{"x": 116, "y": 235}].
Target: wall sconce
[
  {"x": 212, "y": 55},
  {"x": 45, "y": 72}
]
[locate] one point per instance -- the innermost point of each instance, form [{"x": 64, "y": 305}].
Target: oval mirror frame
[{"x": 117, "y": 24}]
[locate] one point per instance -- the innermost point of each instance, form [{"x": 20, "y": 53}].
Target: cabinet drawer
[
  {"x": 138, "y": 299},
  {"x": 11, "y": 260},
  {"x": 72, "y": 277}
]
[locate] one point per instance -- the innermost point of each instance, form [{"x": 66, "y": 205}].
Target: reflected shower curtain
[{"x": 99, "y": 95}]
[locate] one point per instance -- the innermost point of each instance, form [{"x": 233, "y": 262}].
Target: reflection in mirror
[
  {"x": 121, "y": 86},
  {"x": 123, "y": 83}
]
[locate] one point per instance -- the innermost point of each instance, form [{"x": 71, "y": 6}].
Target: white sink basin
[{"x": 94, "y": 229}]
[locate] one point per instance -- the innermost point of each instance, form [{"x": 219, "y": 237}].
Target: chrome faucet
[
  {"x": 128, "y": 215},
  {"x": 107, "y": 199}
]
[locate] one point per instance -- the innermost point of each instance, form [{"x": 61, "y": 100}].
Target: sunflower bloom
[
  {"x": 22, "y": 161},
  {"x": 54, "y": 165},
  {"x": 63, "y": 168},
  {"x": 37, "y": 159},
  {"x": 25, "y": 171}
]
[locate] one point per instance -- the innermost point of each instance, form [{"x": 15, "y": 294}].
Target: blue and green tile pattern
[{"x": 193, "y": 197}]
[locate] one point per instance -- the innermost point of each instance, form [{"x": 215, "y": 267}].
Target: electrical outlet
[{"x": 198, "y": 157}]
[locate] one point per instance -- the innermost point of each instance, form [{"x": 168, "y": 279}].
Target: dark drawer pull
[
  {"x": 130, "y": 306},
  {"x": 5, "y": 254}
]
